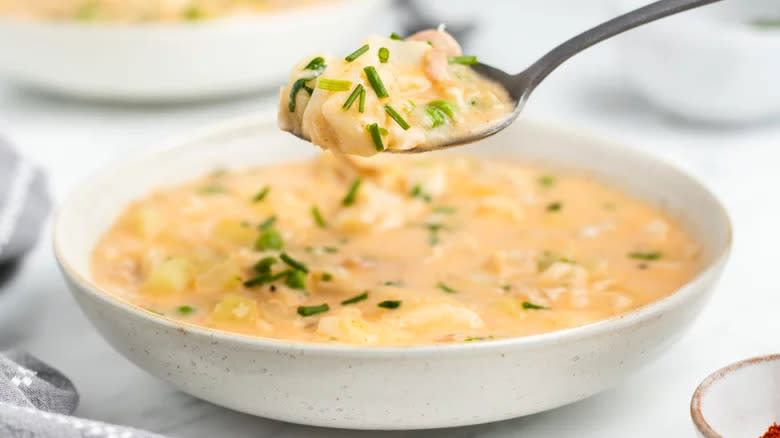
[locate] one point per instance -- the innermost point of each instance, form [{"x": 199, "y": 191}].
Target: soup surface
[
  {"x": 391, "y": 94},
  {"x": 142, "y": 10},
  {"x": 392, "y": 251}
]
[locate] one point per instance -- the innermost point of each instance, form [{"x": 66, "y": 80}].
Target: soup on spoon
[{"x": 391, "y": 94}]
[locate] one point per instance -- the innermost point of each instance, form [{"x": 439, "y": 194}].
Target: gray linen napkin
[{"x": 36, "y": 400}]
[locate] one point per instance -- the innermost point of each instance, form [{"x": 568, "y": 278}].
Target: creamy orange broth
[
  {"x": 143, "y": 10},
  {"x": 429, "y": 95},
  {"x": 445, "y": 249}
]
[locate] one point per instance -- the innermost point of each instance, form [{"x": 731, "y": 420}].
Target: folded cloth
[
  {"x": 24, "y": 204},
  {"x": 36, "y": 400}
]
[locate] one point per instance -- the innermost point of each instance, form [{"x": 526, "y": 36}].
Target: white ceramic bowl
[
  {"x": 739, "y": 401},
  {"x": 708, "y": 64},
  {"x": 389, "y": 388},
  {"x": 178, "y": 61}
]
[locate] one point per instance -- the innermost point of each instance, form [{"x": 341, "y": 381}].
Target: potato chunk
[
  {"x": 235, "y": 309},
  {"x": 170, "y": 277},
  {"x": 235, "y": 231}
]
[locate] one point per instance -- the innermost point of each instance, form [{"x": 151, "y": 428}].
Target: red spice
[{"x": 772, "y": 432}]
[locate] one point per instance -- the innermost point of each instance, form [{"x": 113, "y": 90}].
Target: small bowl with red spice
[{"x": 741, "y": 400}]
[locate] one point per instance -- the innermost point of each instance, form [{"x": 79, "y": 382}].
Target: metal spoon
[{"x": 522, "y": 84}]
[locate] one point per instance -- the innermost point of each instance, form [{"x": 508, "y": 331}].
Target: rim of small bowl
[
  {"x": 290, "y": 15},
  {"x": 530, "y": 341},
  {"x": 696, "y": 413}
]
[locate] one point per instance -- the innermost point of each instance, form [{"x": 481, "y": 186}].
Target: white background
[{"x": 740, "y": 164}]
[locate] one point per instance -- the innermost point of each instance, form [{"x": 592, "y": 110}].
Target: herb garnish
[
  {"x": 440, "y": 111},
  {"x": 317, "y": 66},
  {"x": 312, "y": 310},
  {"x": 268, "y": 223},
  {"x": 433, "y": 232},
  {"x": 356, "y": 54},
  {"x": 393, "y": 283},
  {"x": 417, "y": 192},
  {"x": 547, "y": 180},
  {"x": 185, "y": 310},
  {"x": 212, "y": 189},
  {"x": 554, "y": 206},
  {"x": 349, "y": 199},
  {"x": 376, "y": 136},
  {"x": 532, "y": 306},
  {"x": 384, "y": 54},
  {"x": 295, "y": 264},
  {"x": 327, "y": 276},
  {"x": 263, "y": 266},
  {"x": 333, "y": 84},
  {"x": 318, "y": 217},
  {"x": 354, "y": 95},
  {"x": 649, "y": 256},
  {"x": 355, "y": 299},
  {"x": 261, "y": 194},
  {"x": 397, "y": 117},
  {"x": 269, "y": 239},
  {"x": 445, "y": 210},
  {"x": 362, "y": 101},
  {"x": 296, "y": 279},
  {"x": 376, "y": 82},
  {"x": 395, "y": 36},
  {"x": 390, "y": 304},
  {"x": 266, "y": 278},
  {"x": 446, "y": 288},
  {"x": 463, "y": 59}
]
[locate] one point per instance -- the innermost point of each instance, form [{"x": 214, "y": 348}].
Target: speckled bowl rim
[
  {"x": 696, "y": 414},
  {"x": 557, "y": 337}
]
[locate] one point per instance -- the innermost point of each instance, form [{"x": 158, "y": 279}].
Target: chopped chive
[
  {"x": 384, "y": 54},
  {"x": 330, "y": 249},
  {"x": 266, "y": 278},
  {"x": 356, "y": 54},
  {"x": 212, "y": 189},
  {"x": 417, "y": 192},
  {"x": 318, "y": 217},
  {"x": 532, "y": 306},
  {"x": 317, "y": 65},
  {"x": 263, "y": 266},
  {"x": 296, "y": 87},
  {"x": 296, "y": 279},
  {"x": 506, "y": 287},
  {"x": 295, "y": 264},
  {"x": 393, "y": 283},
  {"x": 349, "y": 199},
  {"x": 376, "y": 82},
  {"x": 261, "y": 194},
  {"x": 333, "y": 84},
  {"x": 376, "y": 136},
  {"x": 440, "y": 112},
  {"x": 650, "y": 256},
  {"x": 327, "y": 276},
  {"x": 463, "y": 59},
  {"x": 446, "y": 288},
  {"x": 351, "y": 99},
  {"x": 554, "y": 206},
  {"x": 269, "y": 239},
  {"x": 397, "y": 117},
  {"x": 547, "y": 180},
  {"x": 313, "y": 310},
  {"x": 185, "y": 310},
  {"x": 268, "y": 223},
  {"x": 445, "y": 106},
  {"x": 362, "y": 101},
  {"x": 395, "y": 36},
  {"x": 355, "y": 299},
  {"x": 445, "y": 210},
  {"x": 390, "y": 304}
]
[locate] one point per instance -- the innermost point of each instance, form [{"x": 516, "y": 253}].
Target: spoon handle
[{"x": 534, "y": 74}]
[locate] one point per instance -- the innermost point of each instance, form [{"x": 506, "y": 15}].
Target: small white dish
[
  {"x": 389, "y": 387},
  {"x": 180, "y": 61},
  {"x": 739, "y": 401},
  {"x": 709, "y": 64}
]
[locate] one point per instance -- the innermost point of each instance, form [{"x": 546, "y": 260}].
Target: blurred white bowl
[
  {"x": 709, "y": 64},
  {"x": 178, "y": 61}
]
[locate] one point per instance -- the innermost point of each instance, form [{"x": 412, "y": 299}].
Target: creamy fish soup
[
  {"x": 142, "y": 10},
  {"x": 391, "y": 94},
  {"x": 392, "y": 251}
]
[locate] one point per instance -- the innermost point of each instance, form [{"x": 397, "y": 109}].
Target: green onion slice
[
  {"x": 333, "y": 84},
  {"x": 395, "y": 36},
  {"x": 446, "y": 288},
  {"x": 649, "y": 256},
  {"x": 268, "y": 223},
  {"x": 295, "y": 264},
  {"x": 397, "y": 117},
  {"x": 269, "y": 239},
  {"x": 263, "y": 266},
  {"x": 318, "y": 217},
  {"x": 384, "y": 54},
  {"x": 354, "y": 95},
  {"x": 376, "y": 82},
  {"x": 356, "y": 54},
  {"x": 349, "y": 199},
  {"x": 463, "y": 60},
  {"x": 313, "y": 310},
  {"x": 185, "y": 310},
  {"x": 362, "y": 102},
  {"x": 355, "y": 299},
  {"x": 532, "y": 306},
  {"x": 376, "y": 136},
  {"x": 296, "y": 279},
  {"x": 390, "y": 304},
  {"x": 261, "y": 194}
]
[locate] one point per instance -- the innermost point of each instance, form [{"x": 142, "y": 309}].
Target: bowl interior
[
  {"x": 256, "y": 140},
  {"x": 741, "y": 400}
]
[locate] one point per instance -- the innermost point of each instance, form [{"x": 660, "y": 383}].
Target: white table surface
[{"x": 70, "y": 139}]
